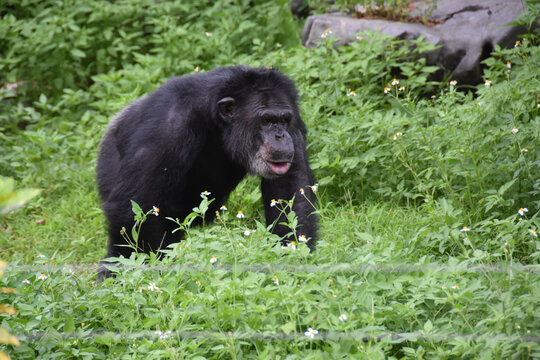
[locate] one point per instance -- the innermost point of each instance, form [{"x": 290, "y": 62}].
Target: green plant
[
  {"x": 428, "y": 243},
  {"x": 10, "y": 200}
]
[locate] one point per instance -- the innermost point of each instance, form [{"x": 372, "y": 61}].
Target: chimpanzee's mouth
[{"x": 279, "y": 168}]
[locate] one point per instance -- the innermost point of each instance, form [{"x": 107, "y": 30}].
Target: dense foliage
[{"x": 429, "y": 195}]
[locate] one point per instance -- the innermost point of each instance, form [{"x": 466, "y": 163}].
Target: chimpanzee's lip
[{"x": 279, "y": 167}]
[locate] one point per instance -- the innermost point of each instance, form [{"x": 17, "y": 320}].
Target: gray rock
[{"x": 467, "y": 32}]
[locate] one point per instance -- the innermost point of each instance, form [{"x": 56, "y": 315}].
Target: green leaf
[
  {"x": 11, "y": 200},
  {"x": 366, "y": 237},
  {"x": 78, "y": 53},
  {"x": 137, "y": 211},
  {"x": 69, "y": 325},
  {"x": 428, "y": 326},
  {"x": 289, "y": 327}
]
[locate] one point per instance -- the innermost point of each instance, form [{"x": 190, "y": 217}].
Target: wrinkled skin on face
[
  {"x": 270, "y": 151},
  {"x": 276, "y": 152}
]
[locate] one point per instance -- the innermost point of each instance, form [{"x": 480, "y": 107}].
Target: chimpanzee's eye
[{"x": 286, "y": 119}]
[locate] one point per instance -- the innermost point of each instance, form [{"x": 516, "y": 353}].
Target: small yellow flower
[
  {"x": 82, "y": 324},
  {"x": 198, "y": 283},
  {"x": 455, "y": 287},
  {"x": 443, "y": 287},
  {"x": 276, "y": 280},
  {"x": 516, "y": 44}
]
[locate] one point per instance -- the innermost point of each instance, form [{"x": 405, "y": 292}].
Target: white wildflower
[{"x": 311, "y": 333}]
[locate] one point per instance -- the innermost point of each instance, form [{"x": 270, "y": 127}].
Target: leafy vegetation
[
  {"x": 428, "y": 196},
  {"x": 10, "y": 200}
]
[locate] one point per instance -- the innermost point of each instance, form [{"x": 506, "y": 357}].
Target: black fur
[{"x": 204, "y": 132}]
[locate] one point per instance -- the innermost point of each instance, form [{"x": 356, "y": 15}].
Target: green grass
[
  {"x": 391, "y": 256},
  {"x": 417, "y": 303}
]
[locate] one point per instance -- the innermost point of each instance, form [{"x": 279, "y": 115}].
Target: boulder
[{"x": 466, "y": 30}]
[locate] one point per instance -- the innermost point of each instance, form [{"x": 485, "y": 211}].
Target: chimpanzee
[{"x": 199, "y": 133}]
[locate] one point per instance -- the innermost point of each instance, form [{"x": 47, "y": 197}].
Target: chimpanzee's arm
[{"x": 285, "y": 187}]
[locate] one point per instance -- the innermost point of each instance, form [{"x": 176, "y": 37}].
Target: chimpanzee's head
[{"x": 262, "y": 123}]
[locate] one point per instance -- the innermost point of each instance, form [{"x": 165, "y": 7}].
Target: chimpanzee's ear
[{"x": 227, "y": 107}]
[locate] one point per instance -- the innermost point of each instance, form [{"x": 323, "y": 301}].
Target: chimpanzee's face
[
  {"x": 275, "y": 148},
  {"x": 259, "y": 135}
]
